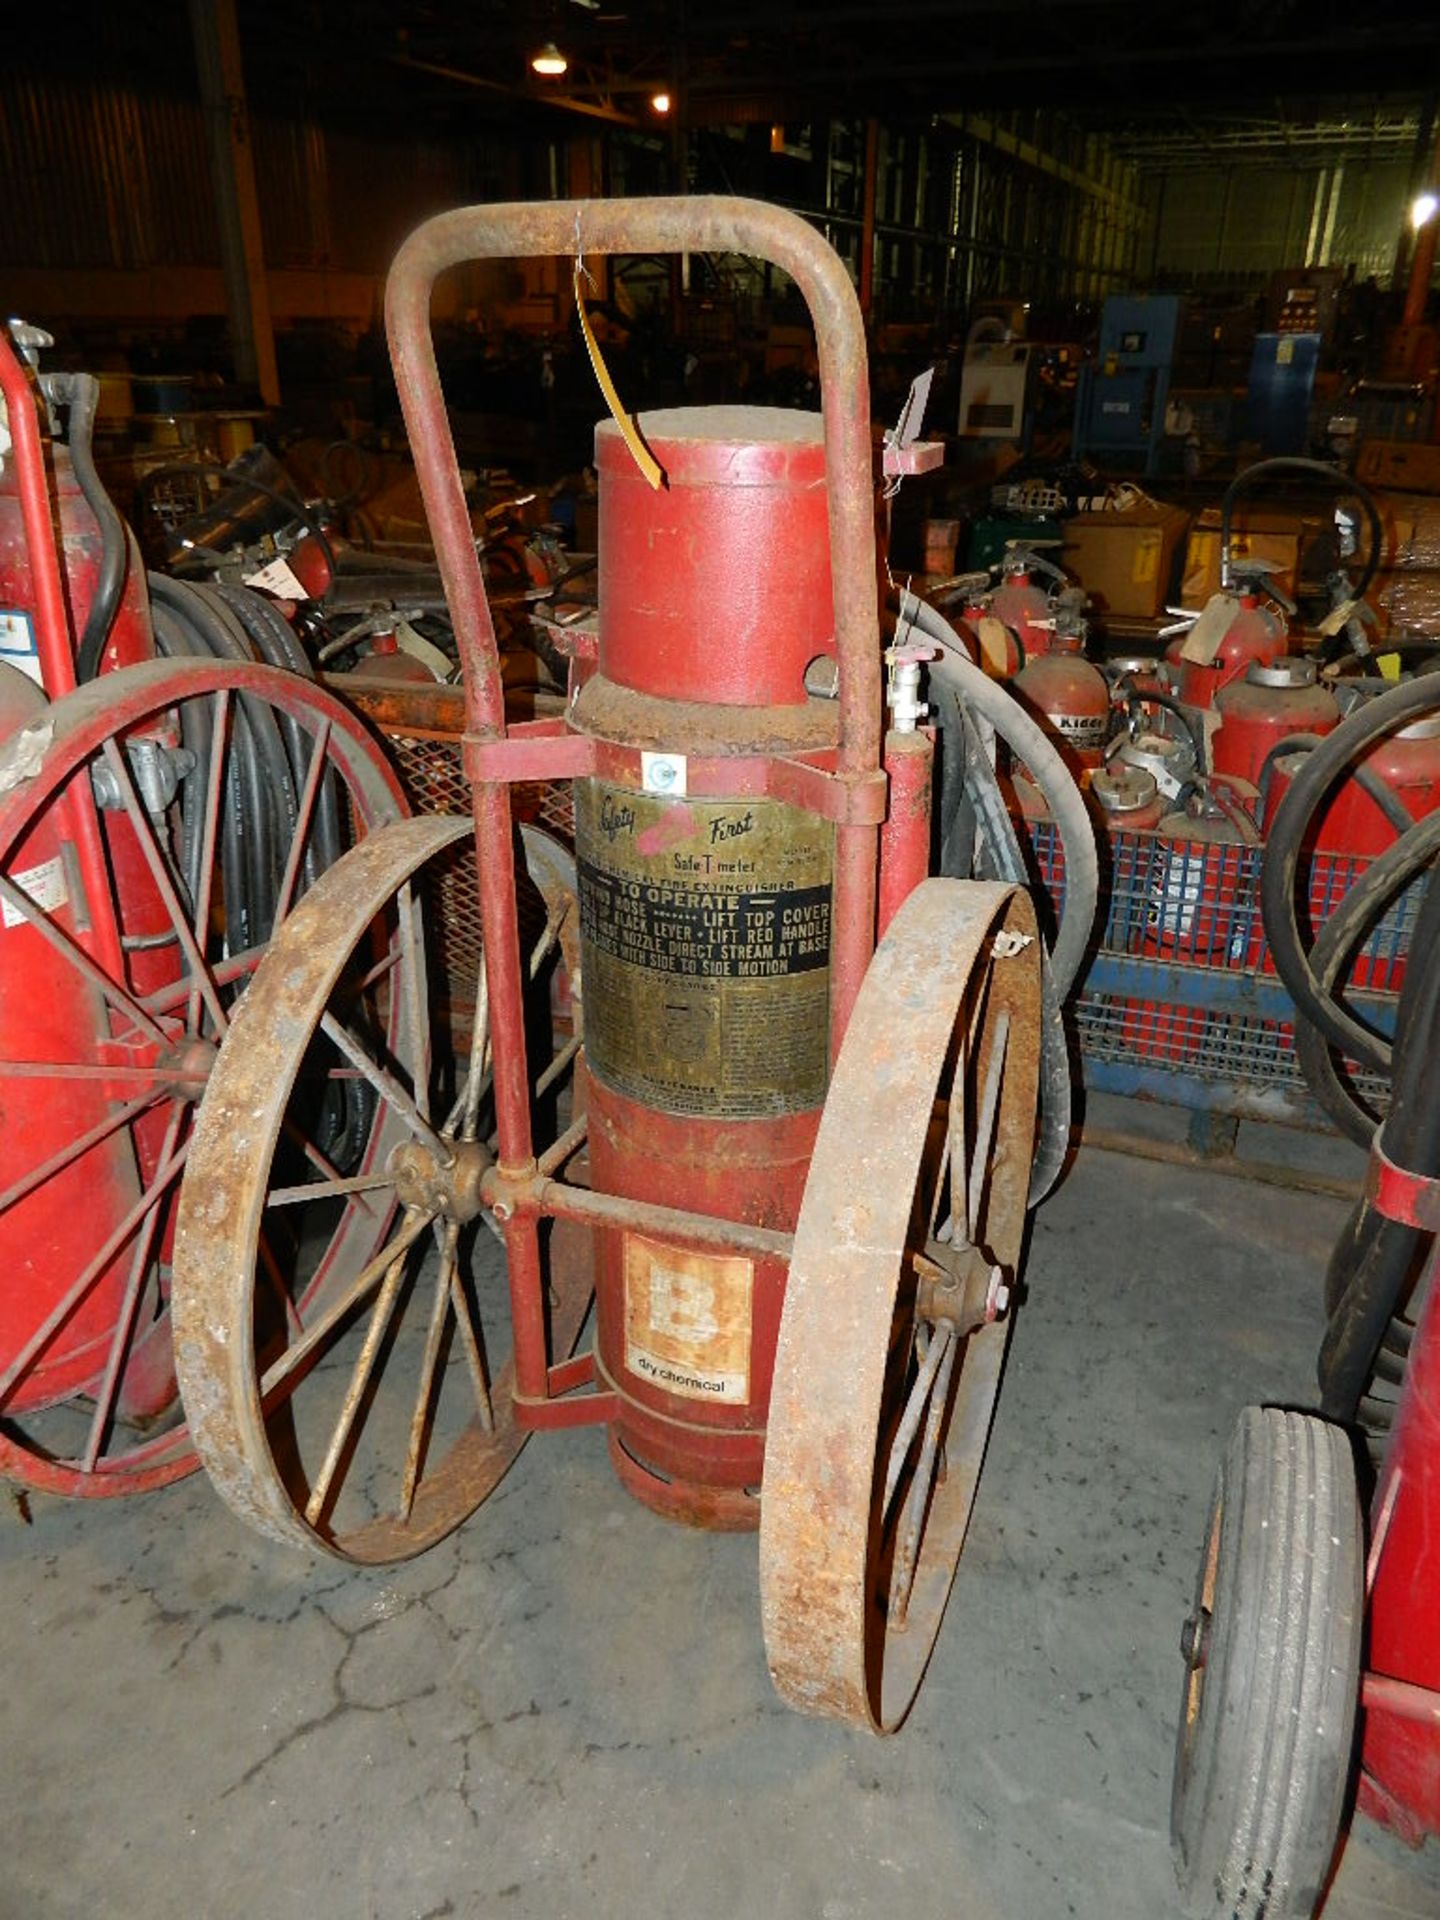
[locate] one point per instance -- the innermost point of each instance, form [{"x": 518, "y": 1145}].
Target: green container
[{"x": 990, "y": 533}]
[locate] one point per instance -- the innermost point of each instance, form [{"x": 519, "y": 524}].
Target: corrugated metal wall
[
  {"x": 103, "y": 176},
  {"x": 1238, "y": 225},
  {"x": 98, "y": 177}
]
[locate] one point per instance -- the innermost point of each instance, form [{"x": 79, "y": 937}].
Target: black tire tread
[{"x": 1259, "y": 1797}]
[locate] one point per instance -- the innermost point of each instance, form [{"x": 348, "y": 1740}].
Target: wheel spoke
[
  {"x": 917, "y": 1499},
  {"x": 474, "y": 1352},
  {"x": 415, "y": 1012},
  {"x": 76, "y": 1149},
  {"x": 75, "y": 1293},
  {"x": 76, "y": 956},
  {"x": 448, "y": 1239},
  {"x": 333, "y": 1182},
  {"x": 205, "y": 878},
  {"x": 360, "y": 1373},
  {"x": 919, "y": 1398},
  {"x": 985, "y": 1125},
  {"x": 130, "y": 1301},
  {"x": 344, "y": 1304},
  {"x": 165, "y": 884},
  {"x": 276, "y": 1280},
  {"x": 558, "y": 1065},
  {"x": 326, "y": 1189},
  {"x": 305, "y": 810},
  {"x": 386, "y": 1085}
]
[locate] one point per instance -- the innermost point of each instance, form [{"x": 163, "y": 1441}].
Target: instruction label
[
  {"x": 688, "y": 1320},
  {"x": 705, "y": 930},
  {"x": 43, "y": 886}
]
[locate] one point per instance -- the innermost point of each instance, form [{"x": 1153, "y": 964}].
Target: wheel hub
[
  {"x": 424, "y": 1181},
  {"x": 190, "y": 1060}
]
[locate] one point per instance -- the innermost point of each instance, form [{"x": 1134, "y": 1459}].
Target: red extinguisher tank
[
  {"x": 1255, "y": 633},
  {"x": 705, "y": 928},
  {"x": 1349, "y": 821},
  {"x": 131, "y": 637},
  {"x": 1024, "y": 605},
  {"x": 50, "y": 1012},
  {"x": 1070, "y": 698},
  {"x": 1271, "y": 703}
]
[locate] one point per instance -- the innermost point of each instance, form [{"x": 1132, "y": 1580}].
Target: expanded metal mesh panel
[
  {"x": 1184, "y": 918},
  {"x": 434, "y": 778}
]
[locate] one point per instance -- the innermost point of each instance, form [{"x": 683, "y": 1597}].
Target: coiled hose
[
  {"x": 1034, "y": 748},
  {"x": 1279, "y": 874},
  {"x": 1376, "y": 1262},
  {"x": 267, "y": 759},
  {"x": 971, "y": 798},
  {"x": 1344, "y": 484}
]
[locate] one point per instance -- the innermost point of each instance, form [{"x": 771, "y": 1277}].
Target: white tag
[
  {"x": 1337, "y": 619},
  {"x": 44, "y": 886},
  {"x": 17, "y": 643},
  {"x": 662, "y": 773},
  {"x": 279, "y": 578},
  {"x": 1202, "y": 643}
]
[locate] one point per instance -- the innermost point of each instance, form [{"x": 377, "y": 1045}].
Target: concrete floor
[{"x": 564, "y": 1710}]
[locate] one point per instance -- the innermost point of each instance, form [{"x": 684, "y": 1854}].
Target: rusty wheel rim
[
  {"x": 68, "y": 1426},
  {"x": 379, "y": 1415},
  {"x": 897, "y": 1304}
]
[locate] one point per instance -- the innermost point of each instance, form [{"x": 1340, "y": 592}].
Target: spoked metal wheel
[
  {"x": 343, "y": 1343},
  {"x": 897, "y": 1304},
  {"x": 155, "y": 827},
  {"x": 1272, "y": 1673}
]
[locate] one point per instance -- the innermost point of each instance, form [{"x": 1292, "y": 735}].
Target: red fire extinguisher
[
  {"x": 1350, "y": 821},
  {"x": 1025, "y": 606},
  {"x": 1273, "y": 701},
  {"x": 95, "y": 557},
  {"x": 1066, "y": 694},
  {"x": 1236, "y": 629}
]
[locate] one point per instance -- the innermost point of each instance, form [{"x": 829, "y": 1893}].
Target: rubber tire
[{"x": 1261, "y": 1768}]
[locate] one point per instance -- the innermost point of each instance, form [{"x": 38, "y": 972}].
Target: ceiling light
[
  {"x": 660, "y": 102},
  {"x": 1423, "y": 209},
  {"x": 549, "y": 61}
]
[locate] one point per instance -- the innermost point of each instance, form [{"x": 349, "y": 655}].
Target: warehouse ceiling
[
  {"x": 752, "y": 59},
  {"x": 1237, "y": 75}
]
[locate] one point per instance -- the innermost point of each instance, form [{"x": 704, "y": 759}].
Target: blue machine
[
  {"x": 1282, "y": 377},
  {"x": 1120, "y": 400}
]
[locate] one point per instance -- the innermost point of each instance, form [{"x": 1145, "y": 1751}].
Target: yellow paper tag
[{"x": 644, "y": 459}]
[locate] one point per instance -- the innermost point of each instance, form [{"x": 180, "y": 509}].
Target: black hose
[
  {"x": 1288, "y": 831},
  {"x": 1377, "y": 1258},
  {"x": 1385, "y": 797},
  {"x": 1007, "y": 861},
  {"x": 261, "y": 777},
  {"x": 276, "y": 641},
  {"x": 83, "y": 392},
  {"x": 294, "y": 506},
  {"x": 1039, "y": 754},
  {"x": 1387, "y": 876},
  {"x": 1343, "y": 483}
]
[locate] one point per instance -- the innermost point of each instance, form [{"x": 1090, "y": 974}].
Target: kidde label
[
  {"x": 705, "y": 929},
  {"x": 688, "y": 1320},
  {"x": 1080, "y": 729}
]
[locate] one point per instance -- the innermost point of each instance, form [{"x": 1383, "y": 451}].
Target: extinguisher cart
[
  {"x": 793, "y": 1170},
  {"x": 126, "y": 849}
]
